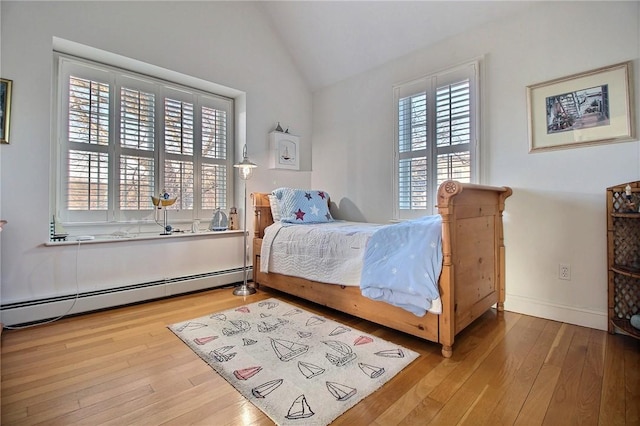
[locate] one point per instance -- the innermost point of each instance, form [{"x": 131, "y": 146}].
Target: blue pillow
[{"x": 303, "y": 206}]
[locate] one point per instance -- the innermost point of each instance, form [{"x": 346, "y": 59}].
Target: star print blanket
[
  {"x": 402, "y": 264},
  {"x": 334, "y": 253}
]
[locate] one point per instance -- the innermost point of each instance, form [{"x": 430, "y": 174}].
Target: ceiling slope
[{"x": 332, "y": 40}]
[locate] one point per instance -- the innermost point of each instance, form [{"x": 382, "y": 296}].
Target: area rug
[{"x": 299, "y": 368}]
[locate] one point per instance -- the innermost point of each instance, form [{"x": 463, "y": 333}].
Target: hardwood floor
[{"x": 124, "y": 367}]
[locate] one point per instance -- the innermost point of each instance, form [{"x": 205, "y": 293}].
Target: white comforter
[{"x": 310, "y": 252}]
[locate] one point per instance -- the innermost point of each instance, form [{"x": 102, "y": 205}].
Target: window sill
[{"x": 100, "y": 239}]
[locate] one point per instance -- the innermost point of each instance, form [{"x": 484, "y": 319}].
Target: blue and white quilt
[
  {"x": 402, "y": 264},
  {"x": 399, "y": 264}
]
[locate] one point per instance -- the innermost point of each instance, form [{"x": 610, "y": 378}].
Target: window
[
  {"x": 435, "y": 138},
  {"x": 124, "y": 137}
]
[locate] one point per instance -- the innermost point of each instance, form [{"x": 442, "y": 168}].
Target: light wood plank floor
[{"x": 124, "y": 367}]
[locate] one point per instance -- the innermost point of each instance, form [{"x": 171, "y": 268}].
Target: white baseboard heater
[{"x": 34, "y": 311}]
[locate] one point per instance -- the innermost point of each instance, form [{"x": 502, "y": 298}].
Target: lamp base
[{"x": 243, "y": 290}]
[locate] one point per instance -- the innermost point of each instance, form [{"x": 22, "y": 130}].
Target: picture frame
[
  {"x": 587, "y": 108},
  {"x": 5, "y": 109},
  {"x": 285, "y": 151}
]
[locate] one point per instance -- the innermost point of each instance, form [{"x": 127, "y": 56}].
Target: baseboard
[
  {"x": 45, "y": 309},
  {"x": 556, "y": 312}
]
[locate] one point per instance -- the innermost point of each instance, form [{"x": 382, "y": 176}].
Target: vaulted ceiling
[{"x": 333, "y": 40}]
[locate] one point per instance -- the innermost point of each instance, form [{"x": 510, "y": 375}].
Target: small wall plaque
[{"x": 285, "y": 151}]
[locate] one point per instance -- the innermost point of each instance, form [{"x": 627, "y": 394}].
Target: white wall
[
  {"x": 557, "y": 213},
  {"x": 229, "y": 43}
]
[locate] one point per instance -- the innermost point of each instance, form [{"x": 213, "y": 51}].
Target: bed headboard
[{"x": 262, "y": 212}]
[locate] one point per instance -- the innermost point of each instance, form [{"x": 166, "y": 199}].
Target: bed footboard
[{"x": 473, "y": 269}]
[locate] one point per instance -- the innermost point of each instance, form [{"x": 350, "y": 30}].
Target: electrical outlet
[{"x": 564, "y": 271}]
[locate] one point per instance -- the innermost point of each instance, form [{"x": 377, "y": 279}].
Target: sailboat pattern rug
[{"x": 299, "y": 368}]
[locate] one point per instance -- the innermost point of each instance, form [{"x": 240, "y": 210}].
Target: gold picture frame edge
[
  {"x": 6, "y": 116},
  {"x": 627, "y": 66}
]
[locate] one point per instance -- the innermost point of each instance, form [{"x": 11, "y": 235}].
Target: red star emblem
[
  {"x": 300, "y": 215},
  {"x": 321, "y": 194}
]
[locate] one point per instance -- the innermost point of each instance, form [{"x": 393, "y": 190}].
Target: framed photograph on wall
[
  {"x": 593, "y": 107},
  {"x": 285, "y": 151},
  {"x": 5, "y": 109}
]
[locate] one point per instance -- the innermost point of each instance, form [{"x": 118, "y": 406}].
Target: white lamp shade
[
  {"x": 245, "y": 170},
  {"x": 245, "y": 167}
]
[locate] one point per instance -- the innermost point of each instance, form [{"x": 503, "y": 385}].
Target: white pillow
[{"x": 275, "y": 208}]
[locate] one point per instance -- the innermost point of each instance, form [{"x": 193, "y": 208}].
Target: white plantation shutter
[
  {"x": 137, "y": 119},
  {"x": 88, "y": 112},
  {"x": 179, "y": 148},
  {"x": 214, "y": 183},
  {"x": 412, "y": 145},
  {"x": 214, "y": 133},
  {"x": 214, "y": 158},
  {"x": 453, "y": 132},
  {"x": 136, "y": 182},
  {"x": 435, "y": 137},
  {"x": 86, "y": 160},
  {"x": 124, "y": 137},
  {"x": 88, "y": 129},
  {"x": 88, "y": 180},
  {"x": 178, "y": 127},
  {"x": 178, "y": 181},
  {"x": 137, "y": 144}
]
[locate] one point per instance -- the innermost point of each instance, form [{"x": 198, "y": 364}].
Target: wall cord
[{"x": 75, "y": 300}]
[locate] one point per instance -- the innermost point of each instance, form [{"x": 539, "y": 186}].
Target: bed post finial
[
  {"x": 450, "y": 186},
  {"x": 448, "y": 189}
]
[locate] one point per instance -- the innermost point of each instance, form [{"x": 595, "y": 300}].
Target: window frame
[
  {"x": 430, "y": 84},
  {"x": 116, "y": 217}
]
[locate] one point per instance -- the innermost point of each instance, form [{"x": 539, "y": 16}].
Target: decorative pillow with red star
[{"x": 303, "y": 205}]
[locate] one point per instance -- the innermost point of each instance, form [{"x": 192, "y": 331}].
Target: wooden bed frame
[{"x": 473, "y": 270}]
